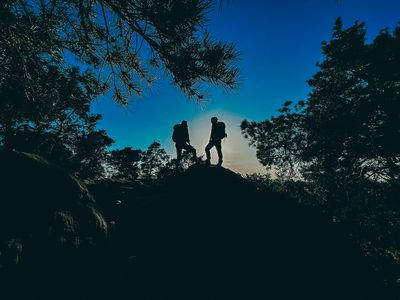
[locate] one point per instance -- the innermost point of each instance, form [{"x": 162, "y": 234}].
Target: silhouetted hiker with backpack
[
  {"x": 181, "y": 138},
  {"x": 217, "y": 134}
]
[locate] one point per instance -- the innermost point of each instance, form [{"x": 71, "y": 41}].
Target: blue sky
[{"x": 279, "y": 42}]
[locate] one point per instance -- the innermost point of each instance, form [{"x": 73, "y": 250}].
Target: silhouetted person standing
[
  {"x": 182, "y": 141},
  {"x": 217, "y": 134}
]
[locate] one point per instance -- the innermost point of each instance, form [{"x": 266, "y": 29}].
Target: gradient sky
[{"x": 279, "y": 42}]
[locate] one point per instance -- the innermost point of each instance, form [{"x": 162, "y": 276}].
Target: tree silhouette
[
  {"x": 52, "y": 117},
  {"x": 91, "y": 154},
  {"x": 126, "y": 162},
  {"x": 152, "y": 161},
  {"x": 127, "y": 42},
  {"x": 348, "y": 129},
  {"x": 342, "y": 143}
]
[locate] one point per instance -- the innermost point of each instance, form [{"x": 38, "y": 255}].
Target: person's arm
[{"x": 187, "y": 136}]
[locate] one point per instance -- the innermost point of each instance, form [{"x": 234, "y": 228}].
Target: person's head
[
  {"x": 214, "y": 120},
  {"x": 184, "y": 123}
]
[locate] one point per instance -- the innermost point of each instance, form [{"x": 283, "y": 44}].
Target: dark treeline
[{"x": 340, "y": 148}]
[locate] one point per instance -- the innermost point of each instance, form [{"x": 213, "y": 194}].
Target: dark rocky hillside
[
  {"x": 209, "y": 231},
  {"x": 205, "y": 232}
]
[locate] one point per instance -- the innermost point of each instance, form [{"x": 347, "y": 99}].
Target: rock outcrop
[{"x": 51, "y": 233}]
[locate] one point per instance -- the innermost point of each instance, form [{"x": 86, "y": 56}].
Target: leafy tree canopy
[
  {"x": 126, "y": 163},
  {"x": 349, "y": 127},
  {"x": 153, "y": 160},
  {"x": 126, "y": 42},
  {"x": 340, "y": 148}
]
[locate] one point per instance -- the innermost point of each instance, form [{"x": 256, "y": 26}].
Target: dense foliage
[
  {"x": 127, "y": 42},
  {"x": 44, "y": 104},
  {"x": 342, "y": 144},
  {"x": 126, "y": 163}
]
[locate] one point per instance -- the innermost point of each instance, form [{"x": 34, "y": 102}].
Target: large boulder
[{"x": 52, "y": 237}]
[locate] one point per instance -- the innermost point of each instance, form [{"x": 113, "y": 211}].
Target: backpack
[
  {"x": 175, "y": 134},
  {"x": 221, "y": 133}
]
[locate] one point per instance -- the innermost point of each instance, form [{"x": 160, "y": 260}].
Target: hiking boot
[{"x": 219, "y": 164}]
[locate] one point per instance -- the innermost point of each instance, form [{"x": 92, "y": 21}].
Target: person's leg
[
  {"x": 208, "y": 155},
  {"x": 219, "y": 150},
  {"x": 191, "y": 150},
  {"x": 178, "y": 153}
]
